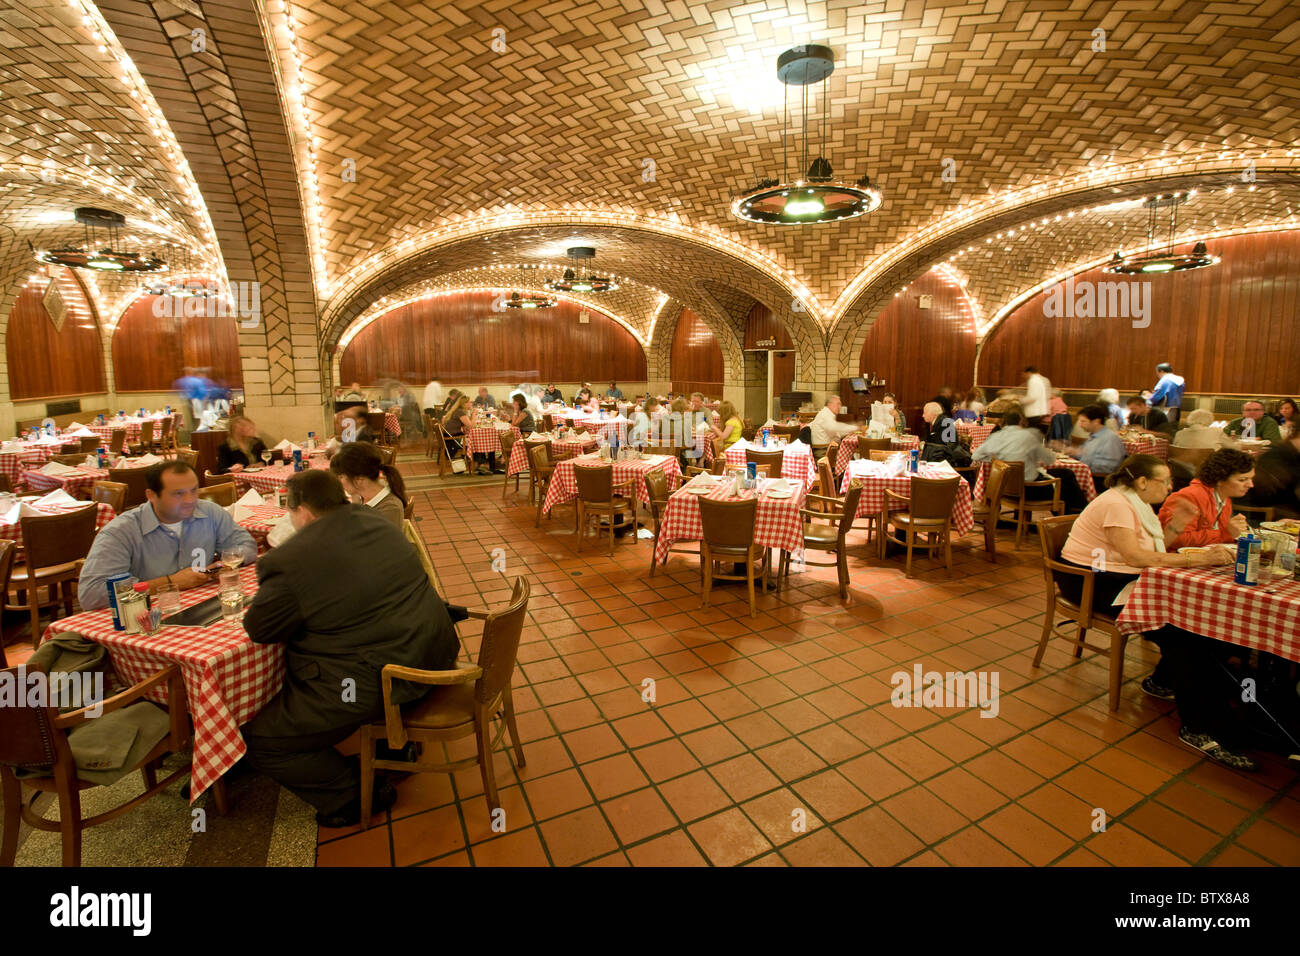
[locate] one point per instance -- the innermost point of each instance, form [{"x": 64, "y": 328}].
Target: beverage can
[
  {"x": 915, "y": 456},
  {"x": 1247, "y": 569},
  {"x": 751, "y": 470},
  {"x": 111, "y": 584}
]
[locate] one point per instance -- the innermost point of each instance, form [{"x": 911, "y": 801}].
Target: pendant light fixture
[
  {"x": 811, "y": 194},
  {"x": 574, "y": 280},
  {"x": 106, "y": 259},
  {"x": 1155, "y": 260},
  {"x": 518, "y": 300}
]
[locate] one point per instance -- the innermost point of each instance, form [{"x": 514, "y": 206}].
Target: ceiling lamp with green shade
[
  {"x": 574, "y": 279},
  {"x": 110, "y": 258},
  {"x": 812, "y": 194},
  {"x": 1156, "y": 261}
]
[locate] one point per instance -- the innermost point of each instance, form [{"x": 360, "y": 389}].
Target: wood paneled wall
[
  {"x": 458, "y": 339},
  {"x": 696, "y": 360},
  {"x": 150, "y": 351},
  {"x": 44, "y": 361},
  {"x": 1229, "y": 329},
  {"x": 915, "y": 350},
  {"x": 762, "y": 326}
]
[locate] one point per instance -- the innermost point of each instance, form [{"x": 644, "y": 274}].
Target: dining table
[
  {"x": 76, "y": 482},
  {"x": 519, "y": 451},
  {"x": 13, "y": 531},
  {"x": 484, "y": 437},
  {"x": 258, "y": 520},
  {"x": 976, "y": 432},
  {"x": 1209, "y": 601},
  {"x": 875, "y": 478},
  {"x": 796, "y": 459},
  {"x": 20, "y": 456},
  {"x": 265, "y": 479},
  {"x": 1157, "y": 445},
  {"x": 1082, "y": 474},
  {"x": 228, "y": 678},
  {"x": 563, "y": 486},
  {"x": 849, "y": 447},
  {"x": 131, "y": 423},
  {"x": 777, "y": 521}
]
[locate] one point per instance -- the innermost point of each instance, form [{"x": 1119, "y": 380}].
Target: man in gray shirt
[
  {"x": 1104, "y": 449},
  {"x": 163, "y": 540},
  {"x": 1013, "y": 442}
]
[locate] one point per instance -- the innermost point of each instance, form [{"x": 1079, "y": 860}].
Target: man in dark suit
[{"x": 345, "y": 595}]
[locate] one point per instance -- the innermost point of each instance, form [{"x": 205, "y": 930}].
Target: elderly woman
[
  {"x": 1197, "y": 432},
  {"x": 1116, "y": 414},
  {"x": 241, "y": 448},
  {"x": 1117, "y": 536},
  {"x": 1206, "y": 503}
]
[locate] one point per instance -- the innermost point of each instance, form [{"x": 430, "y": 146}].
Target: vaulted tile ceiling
[{"x": 418, "y": 129}]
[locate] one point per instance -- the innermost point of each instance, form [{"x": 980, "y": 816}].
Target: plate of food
[
  {"x": 1289, "y": 526},
  {"x": 1204, "y": 549}
]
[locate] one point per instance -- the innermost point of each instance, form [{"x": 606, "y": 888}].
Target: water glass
[
  {"x": 232, "y": 595},
  {"x": 167, "y": 599}
]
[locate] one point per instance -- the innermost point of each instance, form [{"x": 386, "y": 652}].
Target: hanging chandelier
[
  {"x": 1155, "y": 260},
  {"x": 574, "y": 281},
  {"x": 528, "y": 300},
  {"x": 107, "y": 259},
  {"x": 813, "y": 194}
]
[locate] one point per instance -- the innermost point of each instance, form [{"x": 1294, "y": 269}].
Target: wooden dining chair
[
  {"x": 111, "y": 493},
  {"x": 430, "y": 427},
  {"x": 866, "y": 445},
  {"x": 540, "y": 470},
  {"x": 729, "y": 538},
  {"x": 55, "y": 548},
  {"x": 1052, "y": 533},
  {"x": 828, "y": 531},
  {"x": 408, "y": 509},
  {"x": 775, "y": 460},
  {"x": 463, "y": 702},
  {"x": 39, "y": 752},
  {"x": 388, "y": 454},
  {"x": 375, "y": 422},
  {"x": 508, "y": 439},
  {"x": 8, "y": 549},
  {"x": 988, "y": 510},
  {"x": 928, "y": 512},
  {"x": 5, "y": 486},
  {"x": 209, "y": 478},
  {"x": 221, "y": 493},
  {"x": 70, "y": 459},
  {"x": 656, "y": 483},
  {"x": 788, "y": 432},
  {"x": 599, "y": 497},
  {"x": 160, "y": 443},
  {"x": 134, "y": 479},
  {"x": 189, "y": 456},
  {"x": 832, "y": 454},
  {"x": 548, "y": 422},
  {"x": 1015, "y": 493},
  {"x": 146, "y": 439},
  {"x": 879, "y": 454},
  {"x": 117, "y": 441},
  {"x": 89, "y": 446}
]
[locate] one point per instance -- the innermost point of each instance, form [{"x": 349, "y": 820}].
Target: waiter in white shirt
[
  {"x": 826, "y": 428},
  {"x": 1038, "y": 395},
  {"x": 432, "y": 397}
]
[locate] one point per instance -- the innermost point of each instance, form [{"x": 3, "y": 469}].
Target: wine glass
[
  {"x": 232, "y": 558},
  {"x": 266, "y": 456}
]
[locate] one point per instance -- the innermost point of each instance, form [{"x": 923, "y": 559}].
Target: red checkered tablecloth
[
  {"x": 14, "y": 532},
  {"x": 849, "y": 445},
  {"x": 976, "y": 432},
  {"x": 564, "y": 484},
  {"x": 228, "y": 678},
  {"x": 1082, "y": 474},
  {"x": 519, "y": 452},
  {"x": 795, "y": 463},
  {"x": 391, "y": 423},
  {"x": 486, "y": 439},
  {"x": 271, "y": 478},
  {"x": 1264, "y": 617},
  {"x": 131, "y": 424},
  {"x": 260, "y": 522},
  {"x": 776, "y": 522},
  {"x": 14, "y": 463},
  {"x": 1147, "y": 446},
  {"x": 77, "y": 485},
  {"x": 873, "y": 492}
]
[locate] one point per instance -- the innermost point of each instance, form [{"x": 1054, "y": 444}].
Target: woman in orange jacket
[{"x": 1207, "y": 501}]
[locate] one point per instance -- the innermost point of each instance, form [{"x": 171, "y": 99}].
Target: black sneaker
[
  {"x": 1152, "y": 689},
  {"x": 1211, "y": 748},
  {"x": 349, "y": 815}
]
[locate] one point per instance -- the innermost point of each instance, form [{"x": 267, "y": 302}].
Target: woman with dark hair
[
  {"x": 1206, "y": 503},
  {"x": 522, "y": 418},
  {"x": 1285, "y": 413},
  {"x": 358, "y": 466}
]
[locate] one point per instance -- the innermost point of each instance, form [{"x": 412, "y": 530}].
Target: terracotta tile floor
[{"x": 773, "y": 740}]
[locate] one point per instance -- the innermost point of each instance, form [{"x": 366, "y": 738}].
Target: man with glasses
[{"x": 1253, "y": 423}]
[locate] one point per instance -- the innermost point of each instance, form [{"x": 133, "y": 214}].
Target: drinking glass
[
  {"x": 232, "y": 595},
  {"x": 167, "y": 599},
  {"x": 266, "y": 456},
  {"x": 232, "y": 558}
]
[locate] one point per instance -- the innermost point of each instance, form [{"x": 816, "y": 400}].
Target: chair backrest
[
  {"x": 788, "y": 431},
  {"x": 1193, "y": 456},
  {"x": 71, "y": 459},
  {"x": 89, "y": 445},
  {"x": 995, "y": 483},
  {"x": 500, "y": 645},
  {"x": 508, "y": 440},
  {"x": 8, "y": 549},
  {"x": 1052, "y": 532},
  {"x": 375, "y": 422},
  {"x": 27, "y": 734},
  {"x": 59, "y": 539},
  {"x": 165, "y": 431},
  {"x": 548, "y": 422},
  {"x": 879, "y": 454},
  {"x": 773, "y": 459},
  {"x": 146, "y": 433},
  {"x": 875, "y": 444},
  {"x": 133, "y": 478},
  {"x": 719, "y": 449},
  {"x": 413, "y": 536},
  {"x": 222, "y": 493},
  {"x": 595, "y": 483},
  {"x": 117, "y": 440},
  {"x": 408, "y": 512},
  {"x": 190, "y": 458},
  {"x": 1013, "y": 482},
  {"x": 656, "y": 486},
  {"x": 728, "y": 524},
  {"x": 539, "y": 460},
  {"x": 5, "y": 486},
  {"x": 933, "y": 497},
  {"x": 388, "y": 453},
  {"x": 111, "y": 493},
  {"x": 210, "y": 479},
  {"x": 850, "y": 508},
  {"x": 826, "y": 478}
]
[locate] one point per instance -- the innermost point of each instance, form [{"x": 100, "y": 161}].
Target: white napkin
[
  {"x": 56, "y": 497},
  {"x": 251, "y": 499},
  {"x": 19, "y": 511},
  {"x": 73, "y": 426},
  {"x": 538, "y": 436},
  {"x": 13, "y": 446},
  {"x": 145, "y": 460},
  {"x": 778, "y": 484},
  {"x": 80, "y": 431},
  {"x": 939, "y": 467},
  {"x": 795, "y": 445},
  {"x": 53, "y": 468},
  {"x": 287, "y": 447},
  {"x": 742, "y": 445}
]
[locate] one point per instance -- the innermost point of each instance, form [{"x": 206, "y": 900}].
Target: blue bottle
[
  {"x": 1247, "y": 570},
  {"x": 111, "y": 584},
  {"x": 101, "y": 456},
  {"x": 915, "y": 456},
  {"x": 297, "y": 459}
]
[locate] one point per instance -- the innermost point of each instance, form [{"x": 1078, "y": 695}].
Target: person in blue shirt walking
[{"x": 1168, "y": 392}]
